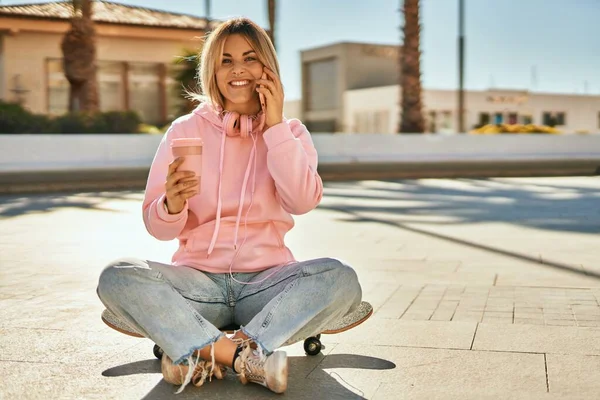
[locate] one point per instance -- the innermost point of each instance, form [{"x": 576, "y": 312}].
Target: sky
[{"x": 540, "y": 45}]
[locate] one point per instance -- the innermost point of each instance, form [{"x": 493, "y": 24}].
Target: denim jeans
[{"x": 181, "y": 309}]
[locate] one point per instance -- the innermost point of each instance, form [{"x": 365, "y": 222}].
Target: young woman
[{"x": 232, "y": 265}]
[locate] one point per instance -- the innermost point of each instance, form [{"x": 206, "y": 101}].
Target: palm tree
[
  {"x": 271, "y": 4},
  {"x": 79, "y": 59},
  {"x": 185, "y": 73},
  {"x": 410, "y": 71}
]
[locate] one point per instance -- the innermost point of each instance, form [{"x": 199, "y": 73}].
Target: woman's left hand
[{"x": 272, "y": 89}]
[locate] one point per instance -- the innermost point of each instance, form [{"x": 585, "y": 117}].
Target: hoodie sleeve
[
  {"x": 292, "y": 162},
  {"x": 158, "y": 221}
]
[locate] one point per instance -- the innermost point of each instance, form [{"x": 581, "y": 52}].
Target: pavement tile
[
  {"x": 573, "y": 374},
  {"x": 538, "y": 339},
  {"x": 419, "y": 371},
  {"x": 389, "y": 332},
  {"x": 561, "y": 322},
  {"x": 20, "y": 344},
  {"x": 528, "y": 321}
]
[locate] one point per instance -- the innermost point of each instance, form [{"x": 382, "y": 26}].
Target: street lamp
[{"x": 461, "y": 65}]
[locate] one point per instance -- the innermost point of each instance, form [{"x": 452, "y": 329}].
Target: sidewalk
[{"x": 481, "y": 289}]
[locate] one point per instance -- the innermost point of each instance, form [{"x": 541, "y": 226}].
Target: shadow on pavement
[
  {"x": 470, "y": 201},
  {"x": 17, "y": 205},
  {"x": 308, "y": 379},
  {"x": 519, "y": 256}
]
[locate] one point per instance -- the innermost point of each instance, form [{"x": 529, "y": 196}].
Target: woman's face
[{"x": 236, "y": 74}]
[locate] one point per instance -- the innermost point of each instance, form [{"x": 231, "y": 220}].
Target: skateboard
[{"x": 312, "y": 345}]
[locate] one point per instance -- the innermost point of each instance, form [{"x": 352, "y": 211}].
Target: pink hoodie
[{"x": 273, "y": 176}]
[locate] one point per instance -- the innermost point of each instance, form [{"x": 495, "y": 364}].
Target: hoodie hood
[{"x": 229, "y": 122}]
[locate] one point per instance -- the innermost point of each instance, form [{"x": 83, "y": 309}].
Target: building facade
[
  {"x": 136, "y": 53},
  {"x": 377, "y": 110},
  {"x": 329, "y": 71},
  {"x": 353, "y": 87}
]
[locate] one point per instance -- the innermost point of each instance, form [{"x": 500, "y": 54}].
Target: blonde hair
[{"x": 212, "y": 52}]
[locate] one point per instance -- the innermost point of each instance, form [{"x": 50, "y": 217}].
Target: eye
[
  {"x": 250, "y": 59},
  {"x": 226, "y": 61}
]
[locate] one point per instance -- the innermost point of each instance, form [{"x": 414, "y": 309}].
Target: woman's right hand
[{"x": 179, "y": 186}]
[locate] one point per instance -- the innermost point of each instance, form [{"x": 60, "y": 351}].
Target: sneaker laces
[
  {"x": 251, "y": 365},
  {"x": 180, "y": 374}
]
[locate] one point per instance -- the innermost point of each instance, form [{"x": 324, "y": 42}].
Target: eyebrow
[{"x": 245, "y": 54}]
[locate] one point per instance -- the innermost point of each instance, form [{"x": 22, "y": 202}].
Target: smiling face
[{"x": 236, "y": 73}]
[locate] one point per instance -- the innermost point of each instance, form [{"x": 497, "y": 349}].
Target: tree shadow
[
  {"x": 307, "y": 379},
  {"x": 471, "y": 201},
  {"x": 17, "y": 205}
]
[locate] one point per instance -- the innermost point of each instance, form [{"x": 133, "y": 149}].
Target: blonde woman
[{"x": 232, "y": 265}]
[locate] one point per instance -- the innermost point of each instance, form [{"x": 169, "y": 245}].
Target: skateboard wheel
[
  {"x": 158, "y": 352},
  {"x": 312, "y": 346}
]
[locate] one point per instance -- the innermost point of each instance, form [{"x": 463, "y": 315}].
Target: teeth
[{"x": 240, "y": 83}]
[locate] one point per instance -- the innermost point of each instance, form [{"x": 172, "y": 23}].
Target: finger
[
  {"x": 268, "y": 96},
  {"x": 270, "y": 84},
  {"x": 178, "y": 175},
  {"x": 176, "y": 163},
  {"x": 273, "y": 77},
  {"x": 266, "y": 92},
  {"x": 181, "y": 186},
  {"x": 188, "y": 193}
]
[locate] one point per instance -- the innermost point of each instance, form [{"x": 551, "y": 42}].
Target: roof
[{"x": 107, "y": 12}]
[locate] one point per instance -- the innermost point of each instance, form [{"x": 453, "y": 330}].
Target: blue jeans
[{"x": 181, "y": 309}]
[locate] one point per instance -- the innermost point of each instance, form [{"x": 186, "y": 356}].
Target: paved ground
[{"x": 482, "y": 289}]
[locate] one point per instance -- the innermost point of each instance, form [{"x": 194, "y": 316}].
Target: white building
[
  {"x": 329, "y": 71},
  {"x": 352, "y": 87},
  {"x": 376, "y": 110}
]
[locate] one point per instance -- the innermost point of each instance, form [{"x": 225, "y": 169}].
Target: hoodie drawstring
[
  {"x": 243, "y": 194},
  {"x": 219, "y": 200},
  {"x": 251, "y": 166}
]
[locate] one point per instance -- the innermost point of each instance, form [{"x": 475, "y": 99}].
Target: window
[
  {"x": 144, "y": 94},
  {"x": 432, "y": 121},
  {"x": 110, "y": 85},
  {"x": 382, "y": 122},
  {"x": 446, "y": 120},
  {"x": 484, "y": 118},
  {"x": 498, "y": 118},
  {"x": 512, "y": 118},
  {"x": 322, "y": 85},
  {"x": 177, "y": 104},
  {"x": 144, "y": 91},
  {"x": 554, "y": 118},
  {"x": 526, "y": 119},
  {"x": 58, "y": 88}
]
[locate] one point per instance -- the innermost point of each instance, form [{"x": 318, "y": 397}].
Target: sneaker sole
[{"x": 278, "y": 362}]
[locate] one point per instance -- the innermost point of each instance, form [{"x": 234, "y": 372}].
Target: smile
[{"x": 240, "y": 83}]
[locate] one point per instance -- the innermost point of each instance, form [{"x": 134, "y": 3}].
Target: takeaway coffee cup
[{"x": 191, "y": 150}]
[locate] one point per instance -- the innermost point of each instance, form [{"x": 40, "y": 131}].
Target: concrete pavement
[{"x": 482, "y": 289}]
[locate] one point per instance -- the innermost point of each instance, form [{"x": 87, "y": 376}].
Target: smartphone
[{"x": 262, "y": 96}]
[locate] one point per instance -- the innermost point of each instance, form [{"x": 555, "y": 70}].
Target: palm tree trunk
[
  {"x": 79, "y": 59},
  {"x": 410, "y": 71},
  {"x": 272, "y": 21}
]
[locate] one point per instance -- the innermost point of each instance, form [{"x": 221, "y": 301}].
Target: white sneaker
[
  {"x": 176, "y": 374},
  {"x": 268, "y": 371}
]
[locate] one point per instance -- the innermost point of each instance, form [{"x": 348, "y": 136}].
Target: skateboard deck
[{"x": 312, "y": 345}]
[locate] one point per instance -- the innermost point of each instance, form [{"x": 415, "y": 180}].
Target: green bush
[
  {"x": 15, "y": 119},
  {"x": 116, "y": 122}
]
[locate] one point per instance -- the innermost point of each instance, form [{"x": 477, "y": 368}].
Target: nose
[{"x": 237, "y": 69}]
